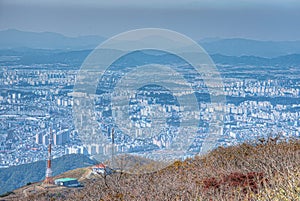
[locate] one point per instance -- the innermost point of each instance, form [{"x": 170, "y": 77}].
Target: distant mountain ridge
[
  {"x": 11, "y": 39},
  {"x": 286, "y": 60},
  {"x": 27, "y": 56},
  {"x": 247, "y": 47}
]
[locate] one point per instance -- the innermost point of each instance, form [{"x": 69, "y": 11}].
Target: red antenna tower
[{"x": 49, "y": 179}]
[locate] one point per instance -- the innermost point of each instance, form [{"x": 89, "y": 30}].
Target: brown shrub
[{"x": 243, "y": 172}]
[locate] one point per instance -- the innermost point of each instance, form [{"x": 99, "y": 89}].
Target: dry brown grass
[{"x": 263, "y": 171}]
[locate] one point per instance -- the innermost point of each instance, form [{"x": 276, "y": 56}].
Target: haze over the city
[{"x": 268, "y": 20}]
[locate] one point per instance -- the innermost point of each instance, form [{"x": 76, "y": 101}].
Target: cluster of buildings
[
  {"x": 268, "y": 88},
  {"x": 33, "y": 100},
  {"x": 61, "y": 137}
]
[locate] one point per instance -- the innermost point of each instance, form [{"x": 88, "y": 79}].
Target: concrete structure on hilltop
[
  {"x": 68, "y": 182},
  {"x": 101, "y": 169}
]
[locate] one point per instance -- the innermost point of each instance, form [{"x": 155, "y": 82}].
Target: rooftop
[{"x": 65, "y": 179}]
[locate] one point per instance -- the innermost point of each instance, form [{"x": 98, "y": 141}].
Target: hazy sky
[{"x": 268, "y": 20}]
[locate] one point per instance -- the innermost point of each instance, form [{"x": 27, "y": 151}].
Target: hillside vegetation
[
  {"x": 17, "y": 176},
  {"x": 268, "y": 170}
]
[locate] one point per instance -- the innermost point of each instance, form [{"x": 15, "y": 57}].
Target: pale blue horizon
[{"x": 271, "y": 20}]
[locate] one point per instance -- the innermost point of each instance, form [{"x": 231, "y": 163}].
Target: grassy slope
[{"x": 267, "y": 171}]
